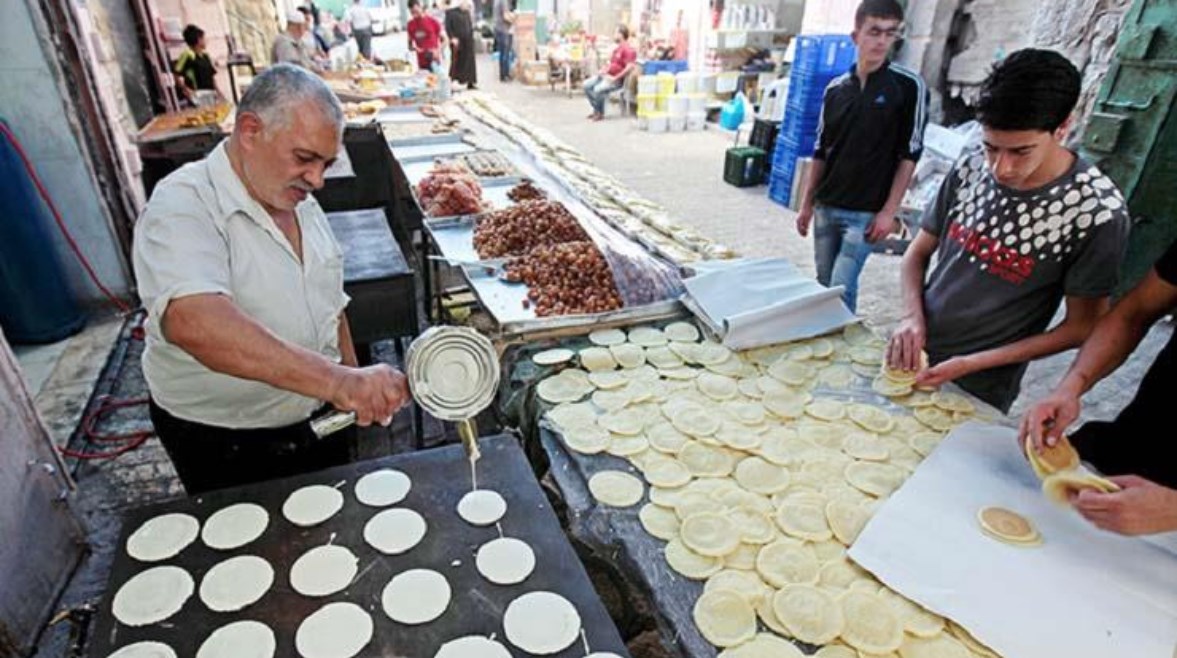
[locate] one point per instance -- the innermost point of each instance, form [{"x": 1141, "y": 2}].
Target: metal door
[
  {"x": 40, "y": 539},
  {"x": 1131, "y": 134}
]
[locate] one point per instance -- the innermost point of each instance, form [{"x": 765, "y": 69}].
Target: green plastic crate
[{"x": 744, "y": 166}]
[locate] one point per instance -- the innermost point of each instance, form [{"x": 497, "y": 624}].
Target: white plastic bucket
[{"x": 678, "y": 105}]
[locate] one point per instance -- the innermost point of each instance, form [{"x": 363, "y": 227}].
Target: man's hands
[
  {"x": 804, "y": 220},
  {"x": 946, "y": 371},
  {"x": 1141, "y": 507},
  {"x": 907, "y": 344},
  {"x": 1046, "y": 421},
  {"x": 884, "y": 224},
  {"x": 374, "y": 393}
]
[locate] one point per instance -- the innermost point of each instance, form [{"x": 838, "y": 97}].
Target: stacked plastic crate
[{"x": 817, "y": 60}]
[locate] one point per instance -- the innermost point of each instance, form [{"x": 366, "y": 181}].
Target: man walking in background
[
  {"x": 424, "y": 36},
  {"x": 503, "y": 18},
  {"x": 868, "y": 140},
  {"x": 360, "y": 20}
]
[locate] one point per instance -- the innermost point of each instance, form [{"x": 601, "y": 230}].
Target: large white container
[
  {"x": 659, "y": 122},
  {"x": 696, "y": 120},
  {"x": 697, "y": 103},
  {"x": 726, "y": 82},
  {"x": 648, "y": 84},
  {"x": 643, "y": 122},
  {"x": 688, "y": 83},
  {"x": 677, "y": 124},
  {"x": 678, "y": 105}
]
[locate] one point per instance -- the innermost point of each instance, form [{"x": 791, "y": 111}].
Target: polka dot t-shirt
[{"x": 1007, "y": 258}]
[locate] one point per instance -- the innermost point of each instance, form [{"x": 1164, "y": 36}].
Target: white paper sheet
[
  {"x": 764, "y": 301},
  {"x": 1084, "y": 593}
]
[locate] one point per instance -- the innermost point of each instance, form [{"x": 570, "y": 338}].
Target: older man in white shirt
[{"x": 243, "y": 283}]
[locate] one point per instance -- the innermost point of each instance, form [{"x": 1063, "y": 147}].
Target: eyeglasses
[{"x": 890, "y": 33}]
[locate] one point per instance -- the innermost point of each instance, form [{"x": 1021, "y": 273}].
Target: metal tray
[
  {"x": 438, "y": 138},
  {"x": 440, "y": 477},
  {"x": 428, "y": 152}
]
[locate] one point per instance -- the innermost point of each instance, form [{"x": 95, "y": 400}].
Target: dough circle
[
  {"x": 236, "y": 582},
  {"x": 152, "y": 595},
  {"x": 240, "y": 639},
  {"x": 615, "y": 489},
  {"x": 144, "y": 650},
  {"x": 810, "y": 614},
  {"x": 689, "y": 563},
  {"x": 725, "y": 618},
  {"x": 607, "y": 337},
  {"x": 472, "y": 646},
  {"x": 312, "y": 505},
  {"x": 337, "y": 630},
  {"x": 681, "y": 332},
  {"x": 553, "y": 357},
  {"x": 659, "y": 521},
  {"x": 1058, "y": 487},
  {"x": 395, "y": 531},
  {"x": 1007, "y": 526},
  {"x": 383, "y": 488},
  {"x": 234, "y": 526},
  {"x": 482, "y": 507},
  {"x": 871, "y": 624},
  {"x": 710, "y": 534},
  {"x": 505, "y": 561},
  {"x": 541, "y": 623},
  {"x": 416, "y": 596},
  {"x": 323, "y": 570},
  {"x": 162, "y": 537},
  {"x": 767, "y": 645}
]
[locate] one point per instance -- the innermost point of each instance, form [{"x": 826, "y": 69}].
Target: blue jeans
[
  {"x": 597, "y": 89},
  {"x": 503, "y": 38},
  {"x": 840, "y": 248}
]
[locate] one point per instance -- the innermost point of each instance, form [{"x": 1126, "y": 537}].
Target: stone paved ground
[{"x": 684, "y": 173}]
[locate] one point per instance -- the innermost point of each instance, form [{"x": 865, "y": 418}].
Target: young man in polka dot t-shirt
[{"x": 1020, "y": 225}]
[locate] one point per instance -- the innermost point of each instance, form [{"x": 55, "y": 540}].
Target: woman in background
[{"x": 459, "y": 25}]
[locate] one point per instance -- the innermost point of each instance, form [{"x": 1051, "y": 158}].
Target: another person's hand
[
  {"x": 1141, "y": 507},
  {"x": 374, "y": 393},
  {"x": 1046, "y": 421},
  {"x": 906, "y": 345},
  {"x": 884, "y": 224},
  {"x": 804, "y": 220},
  {"x": 947, "y": 371},
  {"x": 454, "y": 42}
]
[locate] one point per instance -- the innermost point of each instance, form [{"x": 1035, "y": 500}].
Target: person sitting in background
[
  {"x": 195, "y": 70},
  {"x": 621, "y": 62},
  {"x": 424, "y": 36},
  {"x": 1128, "y": 448},
  {"x": 289, "y": 47},
  {"x": 314, "y": 43},
  {"x": 1020, "y": 225}
]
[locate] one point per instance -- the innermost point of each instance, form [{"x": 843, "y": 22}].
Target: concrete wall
[
  {"x": 953, "y": 43},
  {"x": 31, "y": 100}
]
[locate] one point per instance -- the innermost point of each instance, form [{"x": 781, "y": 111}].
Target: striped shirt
[{"x": 865, "y": 131}]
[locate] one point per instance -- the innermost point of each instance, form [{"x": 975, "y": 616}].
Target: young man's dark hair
[
  {"x": 885, "y": 9},
  {"x": 414, "y": 3},
  {"x": 192, "y": 35},
  {"x": 624, "y": 31},
  {"x": 1029, "y": 90}
]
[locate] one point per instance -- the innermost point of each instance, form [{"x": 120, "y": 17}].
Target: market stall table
[{"x": 440, "y": 477}]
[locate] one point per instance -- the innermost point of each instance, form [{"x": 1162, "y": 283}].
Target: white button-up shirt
[{"x": 202, "y": 233}]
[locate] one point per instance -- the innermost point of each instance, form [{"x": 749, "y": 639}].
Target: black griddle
[{"x": 440, "y": 476}]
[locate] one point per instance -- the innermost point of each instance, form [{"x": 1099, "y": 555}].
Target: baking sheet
[
  {"x": 429, "y": 152},
  {"x": 440, "y": 477},
  {"x": 401, "y": 114},
  {"x": 1084, "y": 593},
  {"x": 418, "y": 140}
]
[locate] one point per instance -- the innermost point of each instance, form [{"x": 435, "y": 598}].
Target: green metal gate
[{"x": 1132, "y": 134}]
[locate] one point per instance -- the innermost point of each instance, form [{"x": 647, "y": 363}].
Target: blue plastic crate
[
  {"x": 669, "y": 66},
  {"x": 780, "y": 188},
  {"x": 823, "y": 53}
]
